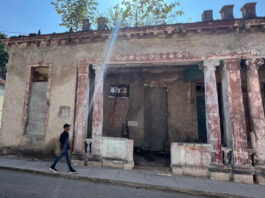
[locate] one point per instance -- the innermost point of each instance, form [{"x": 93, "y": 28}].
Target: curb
[{"x": 126, "y": 183}]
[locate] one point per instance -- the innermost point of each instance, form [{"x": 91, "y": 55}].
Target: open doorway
[{"x": 154, "y": 151}]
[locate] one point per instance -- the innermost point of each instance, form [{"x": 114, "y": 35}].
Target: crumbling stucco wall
[
  {"x": 181, "y": 121},
  {"x": 64, "y": 60}
]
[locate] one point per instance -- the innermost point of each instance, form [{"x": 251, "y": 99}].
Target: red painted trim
[{"x": 27, "y": 93}]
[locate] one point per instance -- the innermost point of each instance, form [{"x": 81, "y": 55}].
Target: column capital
[
  {"x": 254, "y": 63},
  {"x": 97, "y": 67},
  {"x": 83, "y": 69},
  {"x": 232, "y": 64},
  {"x": 208, "y": 65}
]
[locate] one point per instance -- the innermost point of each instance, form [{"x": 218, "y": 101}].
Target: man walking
[{"x": 64, "y": 150}]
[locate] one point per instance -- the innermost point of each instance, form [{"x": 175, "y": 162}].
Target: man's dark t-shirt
[{"x": 64, "y": 139}]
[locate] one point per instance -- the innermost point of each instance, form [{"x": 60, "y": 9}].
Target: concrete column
[
  {"x": 256, "y": 108},
  {"x": 81, "y": 118},
  {"x": 235, "y": 123},
  {"x": 97, "y": 119},
  {"x": 212, "y": 111}
]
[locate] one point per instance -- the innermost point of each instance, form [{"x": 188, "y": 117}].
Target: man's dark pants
[{"x": 66, "y": 154}]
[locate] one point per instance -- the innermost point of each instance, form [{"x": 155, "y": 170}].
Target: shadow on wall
[{"x": 52, "y": 146}]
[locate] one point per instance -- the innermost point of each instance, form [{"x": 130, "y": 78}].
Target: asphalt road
[{"x": 16, "y": 184}]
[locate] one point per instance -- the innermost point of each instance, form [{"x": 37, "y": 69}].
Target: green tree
[
  {"x": 74, "y": 11},
  {"x": 3, "y": 57},
  {"x": 136, "y": 13}
]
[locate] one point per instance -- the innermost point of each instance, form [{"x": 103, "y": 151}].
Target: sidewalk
[{"x": 139, "y": 179}]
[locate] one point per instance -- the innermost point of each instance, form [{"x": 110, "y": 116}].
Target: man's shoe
[
  {"x": 53, "y": 169},
  {"x": 73, "y": 171}
]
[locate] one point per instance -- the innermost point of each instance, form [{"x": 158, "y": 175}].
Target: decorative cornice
[
  {"x": 254, "y": 63},
  {"x": 148, "y": 32},
  {"x": 232, "y": 55},
  {"x": 154, "y": 57},
  {"x": 169, "y": 57}
]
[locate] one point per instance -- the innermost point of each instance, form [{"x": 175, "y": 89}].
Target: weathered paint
[
  {"x": 97, "y": 119},
  {"x": 188, "y": 154},
  {"x": 27, "y": 93},
  {"x": 181, "y": 104},
  {"x": 117, "y": 148},
  {"x": 236, "y": 122},
  {"x": 82, "y": 96},
  {"x": 212, "y": 111},
  {"x": 256, "y": 107},
  {"x": 37, "y": 109},
  {"x": 217, "y": 39}
]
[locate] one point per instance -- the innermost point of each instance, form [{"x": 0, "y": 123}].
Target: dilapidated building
[{"x": 187, "y": 96}]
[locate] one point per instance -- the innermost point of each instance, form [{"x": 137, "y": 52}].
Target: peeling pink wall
[
  {"x": 212, "y": 111},
  {"x": 188, "y": 154},
  {"x": 27, "y": 93},
  {"x": 256, "y": 107},
  {"x": 236, "y": 110},
  {"x": 81, "y": 106},
  {"x": 97, "y": 120}
]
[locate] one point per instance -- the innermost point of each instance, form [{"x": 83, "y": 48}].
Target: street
[{"x": 17, "y": 184}]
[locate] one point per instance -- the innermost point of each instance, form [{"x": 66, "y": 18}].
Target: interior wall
[{"x": 182, "y": 112}]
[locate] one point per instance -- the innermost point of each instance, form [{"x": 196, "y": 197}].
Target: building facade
[
  {"x": 188, "y": 96},
  {"x": 2, "y": 92}
]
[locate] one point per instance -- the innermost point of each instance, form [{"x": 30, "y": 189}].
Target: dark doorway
[
  {"x": 154, "y": 154},
  {"x": 201, "y": 113},
  {"x": 202, "y": 131},
  {"x": 201, "y": 119},
  {"x": 155, "y": 118},
  {"x": 90, "y": 105}
]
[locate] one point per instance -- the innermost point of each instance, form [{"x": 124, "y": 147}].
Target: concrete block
[
  {"x": 112, "y": 163},
  {"x": 96, "y": 164},
  {"x": 220, "y": 176},
  {"x": 128, "y": 166},
  {"x": 191, "y": 154},
  {"x": 260, "y": 179},
  {"x": 190, "y": 171},
  {"x": 241, "y": 178},
  {"x": 177, "y": 170},
  {"x": 78, "y": 162},
  {"x": 195, "y": 171},
  {"x": 260, "y": 175}
]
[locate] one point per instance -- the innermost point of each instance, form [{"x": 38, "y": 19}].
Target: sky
[{"x": 28, "y": 16}]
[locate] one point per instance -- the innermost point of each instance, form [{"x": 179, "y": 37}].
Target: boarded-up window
[{"x": 64, "y": 112}]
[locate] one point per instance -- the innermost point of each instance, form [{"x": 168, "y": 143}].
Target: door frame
[
  {"x": 163, "y": 85},
  {"x": 28, "y": 92}
]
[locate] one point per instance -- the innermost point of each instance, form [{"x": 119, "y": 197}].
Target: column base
[
  {"x": 260, "y": 175},
  {"x": 190, "y": 170},
  {"x": 96, "y": 161},
  {"x": 112, "y": 163},
  {"x": 243, "y": 174},
  {"x": 93, "y": 161},
  {"x": 220, "y": 172},
  {"x": 77, "y": 159}
]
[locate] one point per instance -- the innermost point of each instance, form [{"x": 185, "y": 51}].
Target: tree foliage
[
  {"x": 74, "y": 11},
  {"x": 129, "y": 13},
  {"x": 3, "y": 58},
  {"x": 135, "y": 13}
]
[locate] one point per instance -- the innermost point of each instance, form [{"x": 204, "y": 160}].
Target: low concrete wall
[
  {"x": 117, "y": 149},
  {"x": 190, "y": 159}
]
